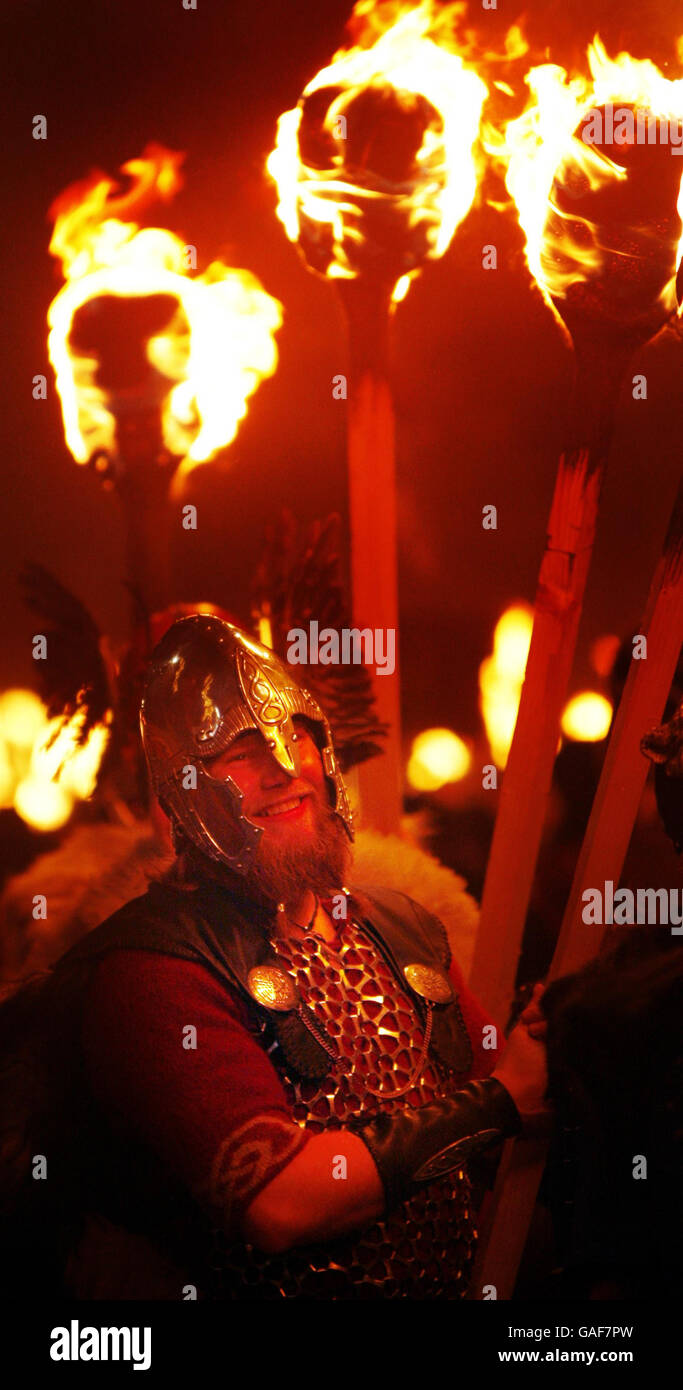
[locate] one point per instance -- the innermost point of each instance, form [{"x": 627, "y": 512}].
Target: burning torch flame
[
  {"x": 44, "y": 770},
  {"x": 542, "y": 145},
  {"x": 501, "y": 676},
  {"x": 331, "y": 206},
  {"x": 215, "y": 353}
]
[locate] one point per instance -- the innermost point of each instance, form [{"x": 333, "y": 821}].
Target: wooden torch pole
[
  {"x": 625, "y": 768},
  {"x": 528, "y": 775},
  {"x": 142, "y": 481},
  {"x": 613, "y": 311},
  {"x": 602, "y": 857},
  {"x": 372, "y": 509}
]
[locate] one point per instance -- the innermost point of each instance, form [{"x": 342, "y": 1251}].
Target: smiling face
[
  {"x": 302, "y": 844},
  {"x": 273, "y": 800}
]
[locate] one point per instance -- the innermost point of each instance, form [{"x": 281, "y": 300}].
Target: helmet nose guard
[
  {"x": 268, "y": 708},
  {"x": 207, "y": 683}
]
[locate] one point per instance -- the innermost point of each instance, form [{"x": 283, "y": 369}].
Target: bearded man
[{"x": 286, "y": 1081}]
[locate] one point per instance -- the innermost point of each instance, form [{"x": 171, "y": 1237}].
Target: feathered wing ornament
[
  {"x": 294, "y": 585},
  {"x": 74, "y": 676}
]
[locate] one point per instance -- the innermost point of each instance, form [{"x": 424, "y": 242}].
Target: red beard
[{"x": 318, "y": 862}]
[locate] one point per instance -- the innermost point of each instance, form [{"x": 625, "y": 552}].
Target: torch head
[
  {"x": 368, "y": 178},
  {"x": 153, "y": 361},
  {"x": 109, "y": 347},
  {"x": 378, "y": 165},
  {"x": 632, "y": 222}
]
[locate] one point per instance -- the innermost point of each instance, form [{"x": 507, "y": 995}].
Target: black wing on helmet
[
  {"x": 296, "y": 584},
  {"x": 74, "y": 674}
]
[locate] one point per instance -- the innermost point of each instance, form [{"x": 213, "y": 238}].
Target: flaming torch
[
  {"x": 602, "y": 241},
  {"x": 154, "y": 366},
  {"x": 375, "y": 169},
  {"x": 604, "y": 251}
]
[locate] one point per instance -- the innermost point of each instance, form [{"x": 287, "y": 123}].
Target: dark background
[{"x": 481, "y": 373}]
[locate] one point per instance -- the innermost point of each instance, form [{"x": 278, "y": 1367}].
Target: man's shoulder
[
  {"x": 396, "y": 911},
  {"x": 161, "y": 919},
  {"x": 170, "y": 919}
]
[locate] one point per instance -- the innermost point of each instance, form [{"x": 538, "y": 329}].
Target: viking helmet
[{"x": 208, "y": 682}]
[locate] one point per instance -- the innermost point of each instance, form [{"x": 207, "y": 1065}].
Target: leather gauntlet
[{"x": 416, "y": 1146}]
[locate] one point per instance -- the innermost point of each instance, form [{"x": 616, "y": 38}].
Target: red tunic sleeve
[
  {"x": 215, "y": 1111},
  {"x": 480, "y": 1027}
]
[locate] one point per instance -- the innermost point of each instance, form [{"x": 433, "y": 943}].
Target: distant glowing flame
[
  {"x": 501, "y": 677},
  {"x": 43, "y": 805},
  {"x": 43, "y": 770},
  {"x": 541, "y": 145},
  {"x": 7, "y": 778},
  {"x": 215, "y": 352},
  {"x": 603, "y": 653},
  {"x": 22, "y": 718},
  {"x": 58, "y": 755},
  {"x": 410, "y": 52},
  {"x": 437, "y": 756},
  {"x": 587, "y": 717},
  {"x": 265, "y": 627}
]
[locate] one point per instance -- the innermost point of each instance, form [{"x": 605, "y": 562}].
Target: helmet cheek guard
[
  {"x": 210, "y": 814},
  {"x": 207, "y": 683},
  {"x": 340, "y": 798}
]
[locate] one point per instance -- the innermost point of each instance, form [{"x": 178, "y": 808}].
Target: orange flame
[
  {"x": 586, "y": 718},
  {"x": 44, "y": 769},
  {"x": 501, "y": 677},
  {"x": 437, "y": 757},
  {"x": 542, "y": 144},
  {"x": 215, "y": 353},
  {"x": 410, "y": 50}
]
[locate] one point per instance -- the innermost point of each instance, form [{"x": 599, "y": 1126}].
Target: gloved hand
[
  {"x": 417, "y": 1146},
  {"x": 412, "y": 1147}
]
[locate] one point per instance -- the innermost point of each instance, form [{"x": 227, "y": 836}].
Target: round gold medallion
[
  {"x": 431, "y": 984},
  {"x": 272, "y": 987}
]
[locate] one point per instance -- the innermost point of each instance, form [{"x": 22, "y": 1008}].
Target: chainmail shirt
[{"x": 375, "y": 1036}]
